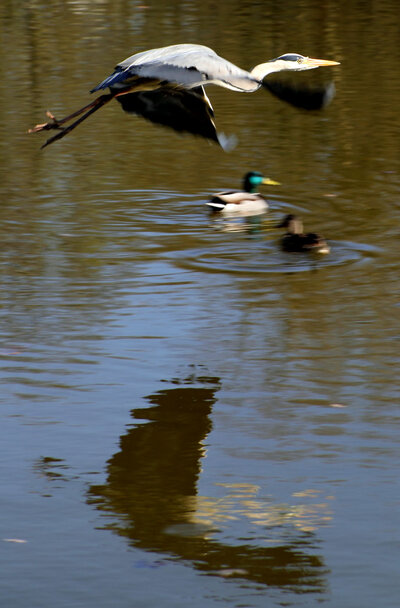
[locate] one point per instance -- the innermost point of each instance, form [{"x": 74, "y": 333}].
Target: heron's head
[
  {"x": 253, "y": 179},
  {"x": 289, "y": 61},
  {"x": 294, "y": 61}
]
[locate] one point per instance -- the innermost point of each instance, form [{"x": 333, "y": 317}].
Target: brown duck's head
[{"x": 292, "y": 223}]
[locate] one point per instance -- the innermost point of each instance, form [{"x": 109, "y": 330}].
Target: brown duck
[{"x": 296, "y": 240}]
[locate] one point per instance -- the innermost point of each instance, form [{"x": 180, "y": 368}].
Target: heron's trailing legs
[{"x": 57, "y": 124}]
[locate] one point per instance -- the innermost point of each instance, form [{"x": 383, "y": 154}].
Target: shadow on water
[{"x": 152, "y": 492}]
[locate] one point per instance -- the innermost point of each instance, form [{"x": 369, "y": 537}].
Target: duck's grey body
[{"x": 238, "y": 202}]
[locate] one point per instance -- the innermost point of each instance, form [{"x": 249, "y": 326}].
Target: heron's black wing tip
[{"x": 183, "y": 110}]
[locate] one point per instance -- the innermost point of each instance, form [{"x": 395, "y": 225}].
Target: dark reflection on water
[{"x": 151, "y": 491}]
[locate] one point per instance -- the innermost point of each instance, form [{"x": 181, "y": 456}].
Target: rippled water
[{"x": 188, "y": 413}]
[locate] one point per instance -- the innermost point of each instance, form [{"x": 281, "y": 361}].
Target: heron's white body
[
  {"x": 189, "y": 65},
  {"x": 194, "y": 65}
]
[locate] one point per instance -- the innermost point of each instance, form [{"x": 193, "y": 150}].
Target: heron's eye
[{"x": 300, "y": 60}]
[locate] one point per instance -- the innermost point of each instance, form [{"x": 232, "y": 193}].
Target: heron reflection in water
[
  {"x": 166, "y": 86},
  {"x": 151, "y": 496}
]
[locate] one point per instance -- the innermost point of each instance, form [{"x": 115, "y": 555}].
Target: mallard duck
[
  {"x": 248, "y": 201},
  {"x": 296, "y": 240}
]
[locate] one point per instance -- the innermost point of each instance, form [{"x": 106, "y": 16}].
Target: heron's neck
[{"x": 259, "y": 72}]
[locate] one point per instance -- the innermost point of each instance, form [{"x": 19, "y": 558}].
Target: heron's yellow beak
[
  {"x": 270, "y": 182},
  {"x": 317, "y": 63}
]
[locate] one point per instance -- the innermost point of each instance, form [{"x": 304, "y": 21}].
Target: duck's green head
[{"x": 253, "y": 179}]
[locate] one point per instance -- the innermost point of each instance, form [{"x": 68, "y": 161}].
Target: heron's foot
[{"x": 46, "y": 126}]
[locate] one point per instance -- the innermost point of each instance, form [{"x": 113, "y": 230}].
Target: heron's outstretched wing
[
  {"x": 188, "y": 65},
  {"x": 301, "y": 96},
  {"x": 184, "y": 110}
]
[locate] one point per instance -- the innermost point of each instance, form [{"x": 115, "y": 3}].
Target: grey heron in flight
[{"x": 166, "y": 86}]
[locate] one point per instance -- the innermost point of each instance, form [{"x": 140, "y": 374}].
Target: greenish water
[{"x": 189, "y": 414}]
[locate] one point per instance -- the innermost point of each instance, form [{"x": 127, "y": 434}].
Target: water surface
[{"x": 188, "y": 413}]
